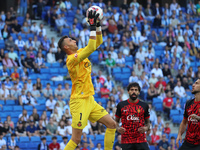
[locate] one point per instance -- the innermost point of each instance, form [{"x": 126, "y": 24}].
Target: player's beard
[
  {"x": 133, "y": 96},
  {"x": 195, "y": 92}
]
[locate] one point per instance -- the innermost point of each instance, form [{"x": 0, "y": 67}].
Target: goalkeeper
[{"x": 83, "y": 107}]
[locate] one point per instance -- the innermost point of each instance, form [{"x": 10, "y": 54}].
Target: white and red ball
[{"x": 98, "y": 11}]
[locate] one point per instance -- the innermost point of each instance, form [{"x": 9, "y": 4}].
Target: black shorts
[
  {"x": 135, "y": 146},
  {"x": 188, "y": 146}
]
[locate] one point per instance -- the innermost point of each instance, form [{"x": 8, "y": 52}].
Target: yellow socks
[
  {"x": 109, "y": 139},
  {"x": 71, "y": 145}
]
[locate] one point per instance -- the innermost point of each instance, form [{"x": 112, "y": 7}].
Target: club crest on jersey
[
  {"x": 87, "y": 64},
  {"x": 79, "y": 124},
  {"x": 138, "y": 110},
  {"x": 76, "y": 55},
  {"x": 199, "y": 110}
]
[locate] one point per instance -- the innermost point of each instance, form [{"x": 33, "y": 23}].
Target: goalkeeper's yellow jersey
[{"x": 79, "y": 68}]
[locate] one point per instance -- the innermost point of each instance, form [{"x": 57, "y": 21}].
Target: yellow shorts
[{"x": 85, "y": 109}]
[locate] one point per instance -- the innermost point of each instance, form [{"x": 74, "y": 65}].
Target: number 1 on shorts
[{"x": 80, "y": 116}]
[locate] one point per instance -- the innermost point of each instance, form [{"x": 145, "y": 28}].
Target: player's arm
[
  {"x": 99, "y": 37},
  {"x": 117, "y": 120}
]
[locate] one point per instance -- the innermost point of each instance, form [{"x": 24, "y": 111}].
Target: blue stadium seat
[
  {"x": 65, "y": 31},
  {"x": 117, "y": 70},
  {"x": 173, "y": 134},
  {"x": 129, "y": 59},
  {"x": 117, "y": 76},
  {"x": 23, "y": 36},
  {"x": 99, "y": 137},
  {"x": 126, "y": 70},
  {"x": 33, "y": 146},
  {"x": 14, "y": 36},
  {"x": 152, "y": 147},
  {"x": 159, "y": 107},
  {"x": 59, "y": 139},
  {"x": 35, "y": 139},
  {"x": 49, "y": 138},
  {"x": 117, "y": 8},
  {"x": 55, "y": 65},
  {"x": 10, "y": 102},
  {"x": 24, "y": 139},
  {"x": 40, "y": 107},
  {"x": 8, "y": 108},
  {"x": 23, "y": 145},
  {"x": 44, "y": 70},
  {"x": 125, "y": 76},
  {"x": 125, "y": 83},
  {"x": 156, "y": 101},
  {"x": 15, "y": 120},
  {"x": 70, "y": 19},
  {"x": 54, "y": 71},
  {"x": 63, "y": 71},
  {"x": 28, "y": 108},
  {"x": 16, "y": 114},
  {"x": 174, "y": 112},
  {"x": 30, "y": 35},
  {"x": 2, "y": 102},
  {"x": 47, "y": 64},
  {"x": 33, "y": 76}
]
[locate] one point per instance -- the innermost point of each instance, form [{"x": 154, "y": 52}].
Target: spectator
[
  {"x": 120, "y": 62},
  {"x": 31, "y": 130},
  {"x": 153, "y": 117},
  {"x": 62, "y": 129},
  {"x": 30, "y": 63},
  {"x": 43, "y": 145},
  {"x": 34, "y": 92},
  {"x": 139, "y": 70},
  {"x": 10, "y": 122},
  {"x": 163, "y": 144},
  {"x": 54, "y": 145},
  {"x": 105, "y": 91},
  {"x": 98, "y": 147},
  {"x": 4, "y": 73},
  {"x": 50, "y": 103},
  {"x": 160, "y": 81},
  {"x": 4, "y": 92},
  {"x": 15, "y": 92},
  {"x": 16, "y": 28},
  {"x": 41, "y": 29},
  {"x": 56, "y": 114},
  {"x": 47, "y": 91},
  {"x": 20, "y": 44},
  {"x": 64, "y": 143},
  {"x": 155, "y": 138},
  {"x": 61, "y": 23},
  {"x": 15, "y": 74},
  {"x": 41, "y": 130},
  {"x": 109, "y": 83},
  {"x": 7, "y": 128},
  {"x": 9, "y": 43},
  {"x": 86, "y": 141},
  {"x": 25, "y": 28},
  {"x": 66, "y": 91},
  {"x": 35, "y": 115},
  {"x": 51, "y": 57},
  {"x": 8, "y": 62},
  {"x": 34, "y": 28},
  {"x": 69, "y": 127},
  {"x": 117, "y": 145},
  {"x": 133, "y": 77},
  {"x": 2, "y": 142},
  {"x": 179, "y": 90},
  {"x": 152, "y": 92},
  {"x": 167, "y": 129},
  {"x": 29, "y": 100},
  {"x": 157, "y": 71},
  {"x": 12, "y": 142},
  {"x": 168, "y": 104},
  {"x": 58, "y": 91},
  {"x": 166, "y": 71},
  {"x": 16, "y": 148},
  {"x": 153, "y": 79},
  {"x": 97, "y": 85},
  {"x": 20, "y": 130},
  {"x": 173, "y": 143},
  {"x": 140, "y": 55},
  {"x": 5, "y": 32},
  {"x": 24, "y": 115},
  {"x": 110, "y": 63},
  {"x": 51, "y": 127},
  {"x": 178, "y": 104},
  {"x": 39, "y": 85},
  {"x": 59, "y": 56}
]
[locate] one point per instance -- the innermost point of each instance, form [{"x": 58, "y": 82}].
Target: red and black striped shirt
[
  {"x": 132, "y": 116},
  {"x": 193, "y": 129}
]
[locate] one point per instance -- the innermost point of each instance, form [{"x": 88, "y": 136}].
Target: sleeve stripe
[
  {"x": 147, "y": 117},
  {"x": 117, "y": 116}
]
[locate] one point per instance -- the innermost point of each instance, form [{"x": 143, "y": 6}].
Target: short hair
[
  {"x": 60, "y": 42},
  {"x": 54, "y": 137},
  {"x": 133, "y": 84},
  {"x": 172, "y": 137}
]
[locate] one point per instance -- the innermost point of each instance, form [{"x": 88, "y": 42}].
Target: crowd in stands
[{"x": 156, "y": 46}]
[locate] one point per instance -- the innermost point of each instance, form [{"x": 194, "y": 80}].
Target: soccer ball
[{"x": 98, "y": 11}]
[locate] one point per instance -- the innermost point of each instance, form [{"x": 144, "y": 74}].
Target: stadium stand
[{"x": 40, "y": 61}]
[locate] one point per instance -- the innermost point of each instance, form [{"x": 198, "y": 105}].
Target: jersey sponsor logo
[
  {"x": 194, "y": 121},
  {"x": 76, "y": 55},
  {"x": 132, "y": 117},
  {"x": 87, "y": 64},
  {"x": 79, "y": 124}
]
